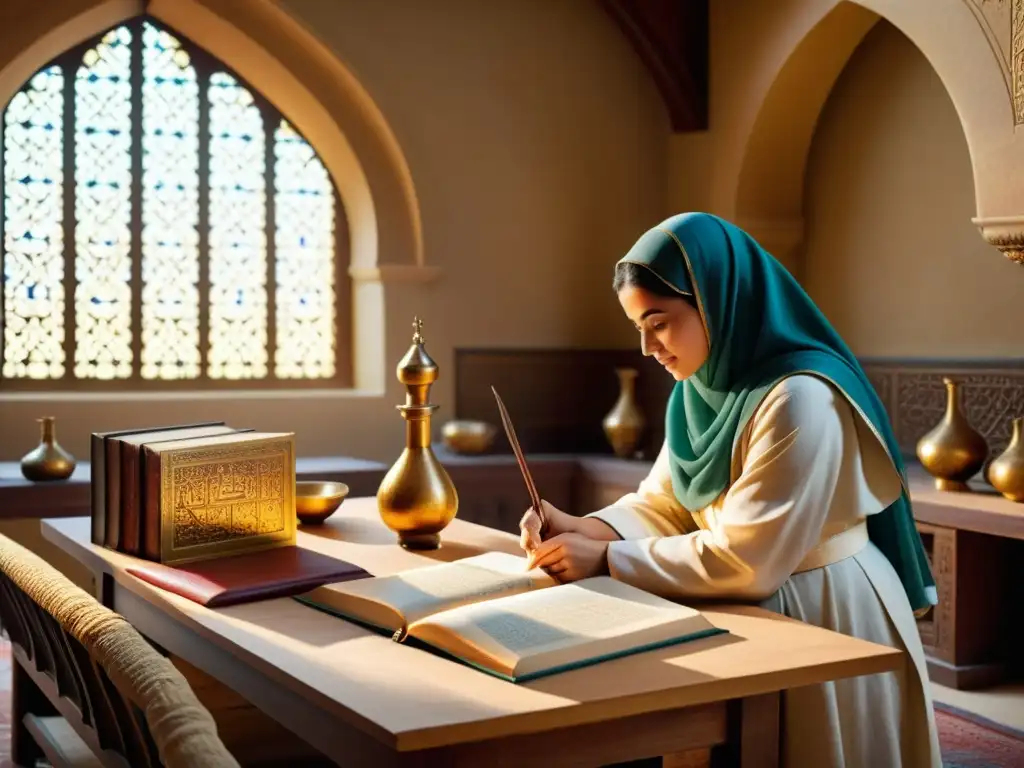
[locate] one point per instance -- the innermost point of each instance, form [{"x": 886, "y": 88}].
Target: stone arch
[
  {"x": 769, "y": 153},
  {"x": 308, "y": 84}
]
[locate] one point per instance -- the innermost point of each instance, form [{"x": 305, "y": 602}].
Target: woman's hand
[
  {"x": 571, "y": 557},
  {"x": 530, "y": 528}
]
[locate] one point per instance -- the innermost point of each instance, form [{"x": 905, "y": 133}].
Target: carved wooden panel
[
  {"x": 926, "y": 624},
  {"x": 991, "y": 395},
  {"x": 558, "y": 397},
  {"x": 969, "y": 636},
  {"x": 882, "y": 382},
  {"x": 937, "y": 626},
  {"x": 594, "y": 495},
  {"x": 495, "y": 495},
  {"x": 601, "y": 482}
]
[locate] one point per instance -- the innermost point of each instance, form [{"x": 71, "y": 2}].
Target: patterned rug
[{"x": 972, "y": 741}]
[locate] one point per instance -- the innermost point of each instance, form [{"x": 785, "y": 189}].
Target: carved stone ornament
[
  {"x": 1002, "y": 21},
  {"x": 1017, "y": 60},
  {"x": 915, "y": 398},
  {"x": 1006, "y": 234}
]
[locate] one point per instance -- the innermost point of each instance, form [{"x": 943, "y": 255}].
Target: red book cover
[{"x": 278, "y": 572}]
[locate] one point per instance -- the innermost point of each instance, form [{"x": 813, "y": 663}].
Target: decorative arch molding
[
  {"x": 1002, "y": 21},
  {"x": 769, "y": 194},
  {"x": 767, "y": 149},
  {"x": 289, "y": 66}
]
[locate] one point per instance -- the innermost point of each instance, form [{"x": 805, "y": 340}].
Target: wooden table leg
[
  {"x": 105, "y": 590},
  {"x": 753, "y": 734},
  {"x": 26, "y": 698}
]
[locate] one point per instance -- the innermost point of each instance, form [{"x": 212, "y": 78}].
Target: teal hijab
[{"x": 762, "y": 327}]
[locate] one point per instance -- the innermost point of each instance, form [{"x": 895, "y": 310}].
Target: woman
[{"x": 780, "y": 482}]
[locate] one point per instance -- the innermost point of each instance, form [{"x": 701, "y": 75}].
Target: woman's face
[{"x": 670, "y": 330}]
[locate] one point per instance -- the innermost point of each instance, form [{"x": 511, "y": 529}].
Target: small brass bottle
[
  {"x": 1006, "y": 473},
  {"x": 953, "y": 451},
  {"x": 417, "y": 499},
  {"x": 48, "y": 461},
  {"x": 624, "y": 424}
]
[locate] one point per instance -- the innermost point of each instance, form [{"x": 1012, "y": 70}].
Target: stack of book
[{"x": 192, "y": 492}]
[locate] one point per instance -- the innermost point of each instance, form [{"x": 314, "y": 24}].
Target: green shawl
[{"x": 761, "y": 327}]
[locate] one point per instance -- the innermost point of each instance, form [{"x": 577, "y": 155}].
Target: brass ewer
[
  {"x": 953, "y": 451},
  {"x": 416, "y": 499},
  {"x": 1006, "y": 473}
]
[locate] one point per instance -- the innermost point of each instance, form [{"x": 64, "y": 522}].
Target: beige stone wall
[
  {"x": 537, "y": 145},
  {"x": 857, "y": 141},
  {"x": 504, "y": 154},
  {"x": 774, "y": 64},
  {"x": 890, "y": 253}
]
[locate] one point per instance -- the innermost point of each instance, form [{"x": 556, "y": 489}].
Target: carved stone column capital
[{"x": 1005, "y": 233}]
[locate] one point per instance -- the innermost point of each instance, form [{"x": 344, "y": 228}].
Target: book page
[
  {"x": 420, "y": 592},
  {"x": 566, "y": 624}
]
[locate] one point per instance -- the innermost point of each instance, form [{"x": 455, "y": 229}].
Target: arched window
[{"x": 164, "y": 226}]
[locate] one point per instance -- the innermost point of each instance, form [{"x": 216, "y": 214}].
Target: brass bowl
[
  {"x": 315, "y": 500},
  {"x": 469, "y": 437}
]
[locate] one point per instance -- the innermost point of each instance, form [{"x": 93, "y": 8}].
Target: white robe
[{"x": 804, "y": 469}]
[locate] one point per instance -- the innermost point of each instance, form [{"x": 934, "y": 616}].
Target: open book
[{"x": 491, "y": 613}]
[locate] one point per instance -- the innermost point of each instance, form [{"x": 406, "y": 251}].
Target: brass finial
[{"x": 416, "y": 368}]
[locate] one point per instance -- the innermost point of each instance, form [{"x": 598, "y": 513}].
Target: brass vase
[
  {"x": 417, "y": 499},
  {"x": 48, "y": 461},
  {"x": 953, "y": 451},
  {"x": 624, "y": 424},
  {"x": 1006, "y": 473}
]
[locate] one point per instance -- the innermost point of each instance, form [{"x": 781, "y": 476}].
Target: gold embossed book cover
[{"x": 219, "y": 495}]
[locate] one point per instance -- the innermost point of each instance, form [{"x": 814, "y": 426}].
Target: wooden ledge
[
  {"x": 395, "y": 273},
  {"x": 981, "y": 510},
  {"x": 21, "y": 498}
]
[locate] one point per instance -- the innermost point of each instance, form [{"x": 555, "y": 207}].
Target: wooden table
[{"x": 361, "y": 699}]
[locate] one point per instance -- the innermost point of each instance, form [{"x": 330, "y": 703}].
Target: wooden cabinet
[
  {"x": 493, "y": 493},
  {"x": 601, "y": 481},
  {"x": 969, "y": 636},
  {"x": 975, "y": 543}
]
